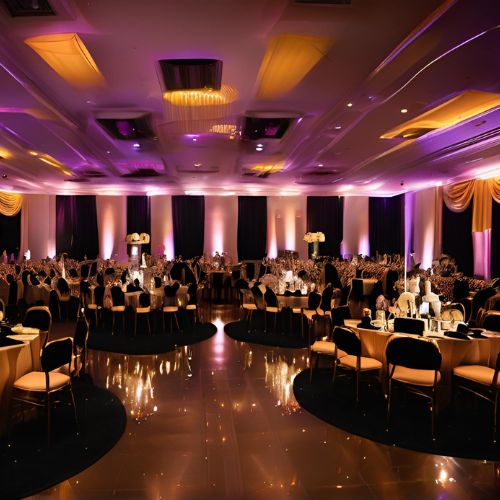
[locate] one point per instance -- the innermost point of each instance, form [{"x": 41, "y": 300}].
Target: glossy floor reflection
[{"x": 219, "y": 420}]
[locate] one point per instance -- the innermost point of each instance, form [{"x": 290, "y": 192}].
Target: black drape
[
  {"x": 252, "y": 227},
  {"x": 10, "y": 234},
  {"x": 495, "y": 240},
  {"x": 76, "y": 226},
  {"x": 139, "y": 217},
  {"x": 326, "y": 214},
  {"x": 386, "y": 225},
  {"x": 188, "y": 214},
  {"x": 457, "y": 238}
]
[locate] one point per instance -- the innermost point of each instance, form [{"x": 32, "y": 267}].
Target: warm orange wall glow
[
  {"x": 458, "y": 109},
  {"x": 287, "y": 61},
  {"x": 67, "y": 55}
]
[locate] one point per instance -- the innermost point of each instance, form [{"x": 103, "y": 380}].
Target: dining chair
[
  {"x": 248, "y": 306},
  {"x": 414, "y": 363},
  {"x": 320, "y": 342},
  {"x": 272, "y": 307},
  {"x": 41, "y": 318},
  {"x": 44, "y": 384},
  {"x": 143, "y": 309},
  {"x": 339, "y": 314},
  {"x": 483, "y": 382},
  {"x": 491, "y": 321},
  {"x": 118, "y": 307},
  {"x": 98, "y": 304},
  {"x": 63, "y": 297},
  {"x": 171, "y": 308},
  {"x": 347, "y": 341}
]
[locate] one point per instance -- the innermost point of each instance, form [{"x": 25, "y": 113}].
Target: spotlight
[
  {"x": 136, "y": 146},
  {"x": 349, "y": 104}
]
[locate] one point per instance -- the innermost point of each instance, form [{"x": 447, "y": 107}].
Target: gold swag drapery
[
  {"x": 483, "y": 191},
  {"x": 10, "y": 203}
]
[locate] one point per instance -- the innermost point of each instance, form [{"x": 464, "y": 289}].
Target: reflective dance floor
[{"x": 219, "y": 420}]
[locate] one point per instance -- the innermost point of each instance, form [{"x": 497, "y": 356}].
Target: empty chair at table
[
  {"x": 491, "y": 321},
  {"x": 339, "y": 314},
  {"x": 483, "y": 382},
  {"x": 320, "y": 342},
  {"x": 414, "y": 364},
  {"x": 326, "y": 298},
  {"x": 271, "y": 307},
  {"x": 63, "y": 295},
  {"x": 170, "y": 307},
  {"x": 143, "y": 310},
  {"x": 409, "y": 325},
  {"x": 98, "y": 303},
  {"x": 38, "y": 387},
  {"x": 347, "y": 341},
  {"x": 41, "y": 318},
  {"x": 118, "y": 307}
]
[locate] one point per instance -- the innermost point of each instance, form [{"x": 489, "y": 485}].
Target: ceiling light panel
[{"x": 67, "y": 55}]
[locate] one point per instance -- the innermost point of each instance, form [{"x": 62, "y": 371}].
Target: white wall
[
  {"x": 356, "y": 237},
  {"x": 221, "y": 225},
  {"x": 38, "y": 225},
  {"x": 286, "y": 224},
  {"x": 162, "y": 231},
  {"x": 112, "y": 226},
  {"x": 427, "y": 226}
]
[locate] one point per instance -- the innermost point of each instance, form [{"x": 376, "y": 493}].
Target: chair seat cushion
[
  {"x": 170, "y": 309},
  {"x": 190, "y": 307},
  {"x": 35, "y": 381},
  {"x": 250, "y": 307},
  {"x": 118, "y": 308},
  {"x": 272, "y": 309},
  {"x": 476, "y": 373},
  {"x": 93, "y": 306},
  {"x": 365, "y": 364},
  {"x": 143, "y": 310},
  {"x": 323, "y": 347},
  {"x": 415, "y": 377}
]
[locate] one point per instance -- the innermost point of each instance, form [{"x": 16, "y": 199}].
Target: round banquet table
[
  {"x": 454, "y": 352},
  {"x": 15, "y": 361}
]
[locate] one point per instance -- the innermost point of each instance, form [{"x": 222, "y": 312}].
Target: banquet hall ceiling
[{"x": 342, "y": 76}]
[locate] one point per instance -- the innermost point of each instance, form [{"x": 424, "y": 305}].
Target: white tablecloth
[{"x": 15, "y": 361}]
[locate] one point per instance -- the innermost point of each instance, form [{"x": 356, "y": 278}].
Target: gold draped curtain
[
  {"x": 482, "y": 191},
  {"x": 10, "y": 203}
]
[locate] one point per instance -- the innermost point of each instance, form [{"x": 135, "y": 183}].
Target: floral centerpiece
[
  {"x": 137, "y": 239},
  {"x": 315, "y": 239}
]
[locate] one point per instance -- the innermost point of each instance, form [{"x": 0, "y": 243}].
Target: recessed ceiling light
[
  {"x": 260, "y": 145},
  {"x": 320, "y": 165},
  {"x": 349, "y": 104},
  {"x": 136, "y": 145},
  {"x": 197, "y": 165},
  {"x": 404, "y": 110},
  {"x": 194, "y": 139},
  {"x": 259, "y": 148},
  {"x": 338, "y": 127},
  {"x": 109, "y": 152}
]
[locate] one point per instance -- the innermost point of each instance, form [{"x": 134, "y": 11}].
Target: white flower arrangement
[
  {"x": 313, "y": 237},
  {"x": 139, "y": 239}
]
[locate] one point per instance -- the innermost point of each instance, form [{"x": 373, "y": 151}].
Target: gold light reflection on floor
[{"x": 68, "y": 56}]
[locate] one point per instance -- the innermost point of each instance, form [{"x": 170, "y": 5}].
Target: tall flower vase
[{"x": 315, "y": 249}]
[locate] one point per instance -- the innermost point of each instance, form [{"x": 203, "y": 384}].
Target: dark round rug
[
  {"x": 238, "y": 330},
  {"x": 465, "y": 433},
  {"x": 143, "y": 343},
  {"x": 28, "y": 465}
]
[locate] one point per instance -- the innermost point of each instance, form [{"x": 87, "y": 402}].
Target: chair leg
[
  {"x": 389, "y": 400},
  {"x": 149, "y": 324},
  {"x": 433, "y": 415},
  {"x": 74, "y": 405},
  {"x": 495, "y": 410},
  {"x": 135, "y": 324},
  {"x": 123, "y": 322},
  {"x": 47, "y": 402},
  {"x": 358, "y": 373},
  {"x": 335, "y": 363},
  {"x": 311, "y": 366},
  {"x": 113, "y": 324},
  {"x": 177, "y": 322}
]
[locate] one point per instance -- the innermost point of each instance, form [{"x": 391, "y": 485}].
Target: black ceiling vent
[
  {"x": 141, "y": 172},
  {"x": 325, "y": 2},
  {"x": 76, "y": 179},
  {"x": 320, "y": 173},
  {"x": 256, "y": 128},
  {"x": 91, "y": 174},
  {"x": 29, "y": 8},
  {"x": 127, "y": 129},
  {"x": 191, "y": 74}
]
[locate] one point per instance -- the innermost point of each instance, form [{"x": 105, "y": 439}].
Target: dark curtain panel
[
  {"x": 76, "y": 226},
  {"x": 495, "y": 240},
  {"x": 386, "y": 225},
  {"x": 457, "y": 238},
  {"x": 139, "y": 217},
  {"x": 86, "y": 234},
  {"x": 10, "y": 234},
  {"x": 252, "y": 227},
  {"x": 188, "y": 214},
  {"x": 326, "y": 214},
  {"x": 65, "y": 217}
]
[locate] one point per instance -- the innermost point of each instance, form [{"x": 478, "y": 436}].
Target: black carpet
[
  {"x": 239, "y": 331},
  {"x": 466, "y": 432},
  {"x": 143, "y": 343},
  {"x": 28, "y": 465}
]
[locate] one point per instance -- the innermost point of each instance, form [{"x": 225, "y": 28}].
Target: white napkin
[{"x": 24, "y": 329}]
